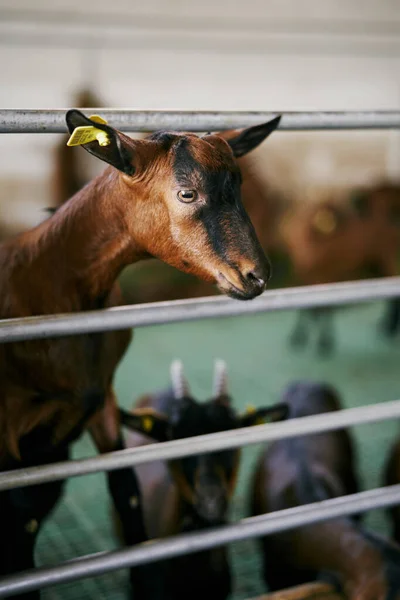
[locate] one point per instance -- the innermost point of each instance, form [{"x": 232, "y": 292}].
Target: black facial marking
[
  {"x": 227, "y": 223},
  {"x": 192, "y": 418},
  {"x": 165, "y": 138},
  {"x": 187, "y": 171},
  {"x": 223, "y": 214}
]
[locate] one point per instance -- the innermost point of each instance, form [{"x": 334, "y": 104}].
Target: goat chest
[{"x": 51, "y": 388}]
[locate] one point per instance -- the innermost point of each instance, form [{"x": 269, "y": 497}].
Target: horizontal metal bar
[
  {"x": 128, "y": 20},
  {"x": 53, "y": 121},
  {"x": 197, "y": 541},
  {"x": 179, "y": 311},
  {"x": 201, "y": 444}
]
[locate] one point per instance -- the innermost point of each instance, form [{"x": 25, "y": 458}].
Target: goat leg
[
  {"x": 299, "y": 336},
  {"x": 326, "y": 340},
  {"x": 146, "y": 580},
  {"x": 19, "y": 533},
  {"x": 22, "y": 512},
  {"x": 390, "y": 323}
]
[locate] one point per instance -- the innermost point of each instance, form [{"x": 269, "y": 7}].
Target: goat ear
[
  {"x": 250, "y": 138},
  {"x": 146, "y": 421},
  {"x": 117, "y": 150},
  {"x": 258, "y": 416}
]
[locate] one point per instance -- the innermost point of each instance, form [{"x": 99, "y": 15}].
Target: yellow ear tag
[
  {"x": 89, "y": 133},
  {"x": 147, "y": 424},
  {"x": 250, "y": 409}
]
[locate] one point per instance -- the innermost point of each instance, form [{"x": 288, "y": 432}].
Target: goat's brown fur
[
  {"x": 51, "y": 390},
  {"x": 70, "y": 263},
  {"x": 298, "y": 471},
  {"x": 354, "y": 244},
  {"x": 262, "y": 204}
]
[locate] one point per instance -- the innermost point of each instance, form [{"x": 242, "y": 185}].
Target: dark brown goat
[
  {"x": 329, "y": 242},
  {"x": 308, "y": 469},
  {"x": 174, "y": 196},
  {"x": 193, "y": 493},
  {"x": 392, "y": 477}
]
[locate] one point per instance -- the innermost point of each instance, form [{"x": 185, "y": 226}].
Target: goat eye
[{"x": 187, "y": 195}]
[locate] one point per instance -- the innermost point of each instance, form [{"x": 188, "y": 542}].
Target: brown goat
[
  {"x": 329, "y": 243},
  {"x": 392, "y": 477},
  {"x": 298, "y": 471},
  {"x": 158, "y": 280},
  {"x": 173, "y": 196},
  {"x": 193, "y": 493}
]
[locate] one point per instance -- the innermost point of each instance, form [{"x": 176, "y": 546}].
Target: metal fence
[
  {"x": 11, "y": 330},
  {"x": 53, "y": 121}
]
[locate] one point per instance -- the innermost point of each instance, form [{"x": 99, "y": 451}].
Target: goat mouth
[{"x": 231, "y": 290}]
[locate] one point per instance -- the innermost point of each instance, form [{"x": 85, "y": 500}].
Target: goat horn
[
  {"x": 180, "y": 386},
  {"x": 220, "y": 387}
]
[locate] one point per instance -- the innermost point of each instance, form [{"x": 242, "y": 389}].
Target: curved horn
[
  {"x": 220, "y": 386},
  {"x": 180, "y": 386}
]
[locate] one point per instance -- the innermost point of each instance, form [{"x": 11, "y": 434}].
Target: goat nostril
[{"x": 253, "y": 278}]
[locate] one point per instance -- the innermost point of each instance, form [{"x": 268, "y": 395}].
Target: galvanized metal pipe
[
  {"x": 179, "y": 311},
  {"x": 53, "y": 121},
  {"x": 201, "y": 444},
  {"x": 197, "y": 541}
]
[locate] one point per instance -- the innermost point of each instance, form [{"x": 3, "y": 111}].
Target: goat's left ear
[
  {"x": 250, "y": 138},
  {"x": 146, "y": 421},
  {"x": 109, "y": 145},
  {"x": 259, "y": 416}
]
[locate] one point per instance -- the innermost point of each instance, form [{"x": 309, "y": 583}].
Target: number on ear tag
[{"x": 89, "y": 133}]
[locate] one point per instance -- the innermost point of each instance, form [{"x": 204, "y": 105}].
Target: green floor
[{"x": 364, "y": 369}]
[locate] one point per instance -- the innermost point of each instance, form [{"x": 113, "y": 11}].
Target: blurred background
[{"x": 316, "y": 198}]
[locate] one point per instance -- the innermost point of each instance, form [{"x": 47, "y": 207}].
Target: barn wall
[{"x": 280, "y": 55}]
